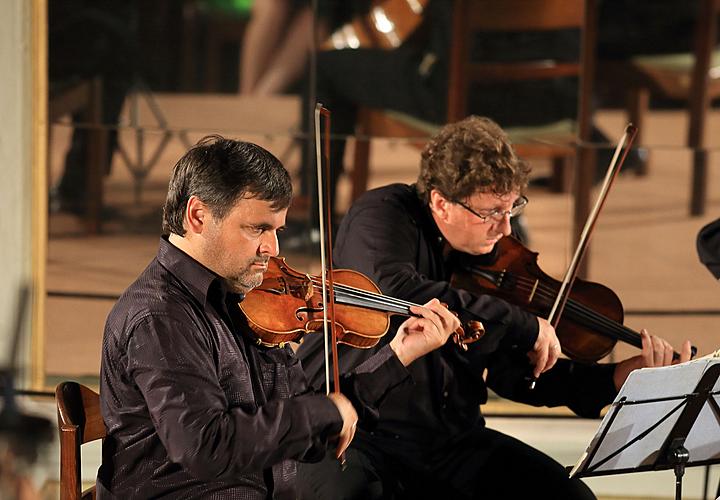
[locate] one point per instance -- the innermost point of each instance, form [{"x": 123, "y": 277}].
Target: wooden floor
[{"x": 643, "y": 248}]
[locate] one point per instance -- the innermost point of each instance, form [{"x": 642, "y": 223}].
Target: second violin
[{"x": 592, "y": 322}]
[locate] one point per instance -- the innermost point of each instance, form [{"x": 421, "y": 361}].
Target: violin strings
[
  {"x": 368, "y": 301},
  {"x": 608, "y": 326},
  {"x": 580, "y": 311},
  {"x": 372, "y": 296},
  {"x": 378, "y": 300},
  {"x": 385, "y": 298}
]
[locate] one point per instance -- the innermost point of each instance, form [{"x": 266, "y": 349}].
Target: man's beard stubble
[{"x": 247, "y": 279}]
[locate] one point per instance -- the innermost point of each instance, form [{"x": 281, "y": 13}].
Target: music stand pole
[{"x": 679, "y": 457}]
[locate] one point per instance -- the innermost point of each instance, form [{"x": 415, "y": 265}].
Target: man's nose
[
  {"x": 504, "y": 225},
  {"x": 269, "y": 244}
]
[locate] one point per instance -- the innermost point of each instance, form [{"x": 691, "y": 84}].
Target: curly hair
[
  {"x": 220, "y": 171},
  {"x": 470, "y": 156}
]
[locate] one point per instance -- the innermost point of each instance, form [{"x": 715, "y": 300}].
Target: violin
[
  {"x": 288, "y": 304},
  {"x": 592, "y": 322}
]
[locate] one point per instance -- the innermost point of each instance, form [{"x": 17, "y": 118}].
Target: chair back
[
  {"x": 691, "y": 76},
  {"x": 79, "y": 422},
  {"x": 473, "y": 17},
  {"x": 556, "y": 142}
]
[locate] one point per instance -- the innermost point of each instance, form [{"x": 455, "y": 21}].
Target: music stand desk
[{"x": 663, "y": 418}]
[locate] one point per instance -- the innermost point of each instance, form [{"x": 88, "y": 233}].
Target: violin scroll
[
  {"x": 461, "y": 338},
  {"x": 475, "y": 331}
]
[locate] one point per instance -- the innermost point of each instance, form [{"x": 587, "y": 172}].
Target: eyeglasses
[{"x": 499, "y": 215}]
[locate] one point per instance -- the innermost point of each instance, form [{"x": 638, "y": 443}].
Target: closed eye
[{"x": 257, "y": 230}]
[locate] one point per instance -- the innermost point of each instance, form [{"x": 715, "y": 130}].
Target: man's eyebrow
[
  {"x": 265, "y": 226},
  {"x": 496, "y": 206}
]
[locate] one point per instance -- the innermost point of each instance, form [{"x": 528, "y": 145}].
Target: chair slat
[
  {"x": 79, "y": 421},
  {"x": 525, "y": 15}
]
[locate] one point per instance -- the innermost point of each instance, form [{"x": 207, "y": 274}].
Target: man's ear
[
  {"x": 196, "y": 215},
  {"x": 439, "y": 205}
]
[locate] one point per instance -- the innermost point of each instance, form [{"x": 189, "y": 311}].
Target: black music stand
[{"x": 663, "y": 418}]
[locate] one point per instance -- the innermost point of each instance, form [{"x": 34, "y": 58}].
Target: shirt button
[
  {"x": 444, "y": 407},
  {"x": 397, "y": 437},
  {"x": 445, "y": 394}
]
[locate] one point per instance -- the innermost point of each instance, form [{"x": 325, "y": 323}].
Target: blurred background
[{"x": 101, "y": 98}]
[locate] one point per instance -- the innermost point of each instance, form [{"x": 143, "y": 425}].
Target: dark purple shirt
[{"x": 194, "y": 408}]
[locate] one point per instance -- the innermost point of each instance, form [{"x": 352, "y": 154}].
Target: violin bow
[
  {"x": 622, "y": 148},
  {"x": 322, "y": 151}
]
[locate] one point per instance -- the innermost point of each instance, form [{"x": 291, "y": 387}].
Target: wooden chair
[
  {"x": 556, "y": 142},
  {"x": 691, "y": 77},
  {"x": 79, "y": 422}
]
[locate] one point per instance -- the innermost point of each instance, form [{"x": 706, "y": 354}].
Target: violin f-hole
[{"x": 303, "y": 313}]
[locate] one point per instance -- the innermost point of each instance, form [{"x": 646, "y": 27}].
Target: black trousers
[{"x": 484, "y": 464}]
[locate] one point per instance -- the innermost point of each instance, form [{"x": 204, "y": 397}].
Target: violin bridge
[
  {"x": 308, "y": 286},
  {"x": 532, "y": 292}
]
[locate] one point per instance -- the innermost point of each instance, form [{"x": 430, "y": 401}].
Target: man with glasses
[{"x": 430, "y": 440}]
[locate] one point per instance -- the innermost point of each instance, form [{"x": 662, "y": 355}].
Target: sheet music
[{"x": 703, "y": 442}]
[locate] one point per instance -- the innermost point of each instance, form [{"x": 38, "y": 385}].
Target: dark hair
[
  {"x": 708, "y": 247},
  {"x": 219, "y": 172},
  {"x": 468, "y": 156}
]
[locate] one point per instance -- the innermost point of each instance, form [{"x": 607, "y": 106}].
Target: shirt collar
[
  {"x": 427, "y": 221},
  {"x": 201, "y": 282}
]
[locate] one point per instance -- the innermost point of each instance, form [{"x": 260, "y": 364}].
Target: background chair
[
  {"x": 690, "y": 77},
  {"x": 79, "y": 422},
  {"x": 556, "y": 142}
]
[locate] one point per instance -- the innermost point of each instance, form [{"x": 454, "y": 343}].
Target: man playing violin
[
  {"x": 430, "y": 440},
  {"x": 194, "y": 406}
]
